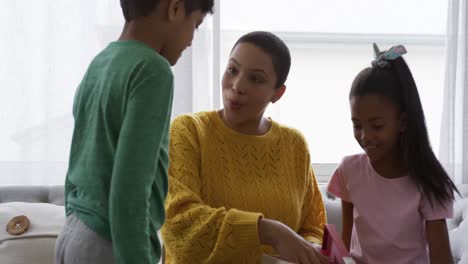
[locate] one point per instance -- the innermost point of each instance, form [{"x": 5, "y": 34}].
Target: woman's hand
[{"x": 289, "y": 245}]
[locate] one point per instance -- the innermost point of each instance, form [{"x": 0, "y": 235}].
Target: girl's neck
[{"x": 391, "y": 166}]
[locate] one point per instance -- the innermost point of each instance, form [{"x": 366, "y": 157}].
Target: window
[
  {"x": 46, "y": 47},
  {"x": 330, "y": 42},
  {"x": 50, "y": 44}
]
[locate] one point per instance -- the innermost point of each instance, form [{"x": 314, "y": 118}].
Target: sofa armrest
[{"x": 32, "y": 194}]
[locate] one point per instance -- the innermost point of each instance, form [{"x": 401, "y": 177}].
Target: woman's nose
[{"x": 238, "y": 87}]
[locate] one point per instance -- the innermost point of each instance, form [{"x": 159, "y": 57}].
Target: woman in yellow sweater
[{"x": 242, "y": 185}]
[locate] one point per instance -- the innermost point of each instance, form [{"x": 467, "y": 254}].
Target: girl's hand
[{"x": 289, "y": 245}]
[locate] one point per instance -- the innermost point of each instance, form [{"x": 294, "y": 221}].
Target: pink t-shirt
[{"x": 389, "y": 214}]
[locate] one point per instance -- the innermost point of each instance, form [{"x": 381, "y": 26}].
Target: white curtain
[
  {"x": 197, "y": 74},
  {"x": 453, "y": 151},
  {"x": 45, "y": 48}
]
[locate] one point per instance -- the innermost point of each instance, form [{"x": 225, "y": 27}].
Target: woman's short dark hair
[{"x": 275, "y": 48}]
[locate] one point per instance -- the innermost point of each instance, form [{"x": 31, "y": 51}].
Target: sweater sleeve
[
  {"x": 195, "y": 232},
  {"x": 145, "y": 123},
  {"x": 313, "y": 215},
  {"x": 313, "y": 211}
]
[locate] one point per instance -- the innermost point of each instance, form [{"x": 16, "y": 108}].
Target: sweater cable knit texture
[{"x": 222, "y": 182}]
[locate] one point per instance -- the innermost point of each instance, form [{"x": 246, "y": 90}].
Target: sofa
[{"x": 43, "y": 206}]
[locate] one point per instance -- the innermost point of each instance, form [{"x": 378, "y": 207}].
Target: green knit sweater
[{"x": 117, "y": 177}]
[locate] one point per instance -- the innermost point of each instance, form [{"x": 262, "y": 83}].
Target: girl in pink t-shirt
[{"x": 396, "y": 196}]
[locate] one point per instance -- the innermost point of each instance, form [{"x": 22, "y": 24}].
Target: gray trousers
[{"x": 78, "y": 244}]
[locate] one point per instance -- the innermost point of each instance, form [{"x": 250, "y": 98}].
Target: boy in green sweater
[{"x": 117, "y": 177}]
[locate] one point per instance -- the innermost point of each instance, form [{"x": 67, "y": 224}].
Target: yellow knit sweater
[{"x": 221, "y": 182}]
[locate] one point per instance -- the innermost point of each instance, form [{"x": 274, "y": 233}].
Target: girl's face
[
  {"x": 377, "y": 125},
  {"x": 249, "y": 83}
]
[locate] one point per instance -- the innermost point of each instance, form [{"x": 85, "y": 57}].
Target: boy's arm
[
  {"x": 145, "y": 124},
  {"x": 67, "y": 189},
  {"x": 347, "y": 222},
  {"x": 438, "y": 240}
]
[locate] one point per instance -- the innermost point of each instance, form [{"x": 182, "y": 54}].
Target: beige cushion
[{"x": 36, "y": 245}]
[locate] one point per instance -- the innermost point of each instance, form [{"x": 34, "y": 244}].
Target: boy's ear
[
  {"x": 278, "y": 93},
  {"x": 403, "y": 122},
  {"x": 175, "y": 9}
]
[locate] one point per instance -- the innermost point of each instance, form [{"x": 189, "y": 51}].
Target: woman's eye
[
  {"x": 232, "y": 70},
  {"x": 256, "y": 79}
]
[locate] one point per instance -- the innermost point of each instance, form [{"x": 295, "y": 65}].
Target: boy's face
[{"x": 181, "y": 35}]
